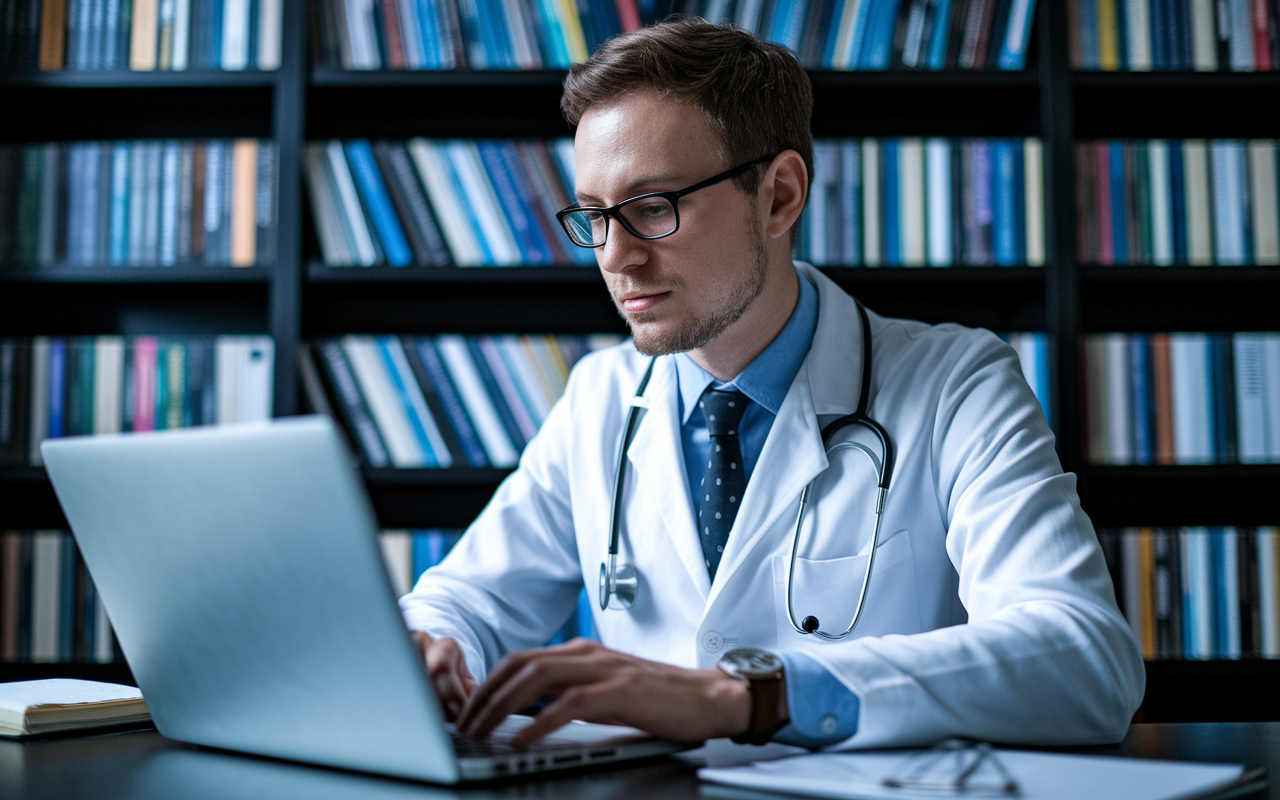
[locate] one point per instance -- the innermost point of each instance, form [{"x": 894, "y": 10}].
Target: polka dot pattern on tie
[{"x": 723, "y": 483}]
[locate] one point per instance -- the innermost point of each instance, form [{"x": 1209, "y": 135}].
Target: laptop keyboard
[{"x": 465, "y": 746}]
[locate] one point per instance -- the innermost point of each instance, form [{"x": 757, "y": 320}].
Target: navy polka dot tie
[{"x": 726, "y": 479}]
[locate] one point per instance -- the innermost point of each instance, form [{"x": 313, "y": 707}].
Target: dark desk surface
[{"x": 143, "y": 764}]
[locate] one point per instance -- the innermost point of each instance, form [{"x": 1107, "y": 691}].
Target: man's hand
[
  {"x": 595, "y": 684},
  {"x": 447, "y": 670}
]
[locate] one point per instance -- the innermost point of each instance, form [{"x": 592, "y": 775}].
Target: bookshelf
[{"x": 299, "y": 298}]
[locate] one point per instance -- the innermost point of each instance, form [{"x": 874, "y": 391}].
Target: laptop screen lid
[{"x": 241, "y": 571}]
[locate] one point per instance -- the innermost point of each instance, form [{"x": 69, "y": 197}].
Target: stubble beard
[{"x": 704, "y": 330}]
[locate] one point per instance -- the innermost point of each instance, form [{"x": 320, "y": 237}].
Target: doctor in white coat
[{"x": 989, "y": 613}]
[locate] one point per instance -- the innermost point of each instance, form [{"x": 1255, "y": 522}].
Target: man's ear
[{"x": 786, "y": 187}]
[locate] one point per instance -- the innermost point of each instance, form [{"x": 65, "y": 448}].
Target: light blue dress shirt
[{"x": 823, "y": 711}]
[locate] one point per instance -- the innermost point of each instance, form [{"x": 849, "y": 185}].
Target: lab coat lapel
[{"x": 657, "y": 461}]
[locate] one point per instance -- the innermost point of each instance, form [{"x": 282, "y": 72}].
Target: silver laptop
[{"x": 242, "y": 575}]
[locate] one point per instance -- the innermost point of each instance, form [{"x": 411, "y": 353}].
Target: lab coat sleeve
[
  {"x": 1046, "y": 657},
  {"x": 513, "y": 579}
]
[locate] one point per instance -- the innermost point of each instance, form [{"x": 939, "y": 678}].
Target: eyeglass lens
[{"x": 648, "y": 216}]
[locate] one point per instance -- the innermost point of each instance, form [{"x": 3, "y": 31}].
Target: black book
[
  {"x": 997, "y": 33},
  {"x": 1168, "y": 593},
  {"x": 266, "y": 206},
  {"x": 955, "y": 38},
  {"x": 352, "y": 405},
  {"x": 496, "y": 395},
  {"x": 438, "y": 412},
  {"x": 1250, "y": 599},
  {"x": 15, "y": 400},
  {"x": 817, "y": 27},
  {"x": 957, "y": 199},
  {"x": 11, "y": 163},
  {"x": 1273, "y": 32},
  {"x": 410, "y": 204},
  {"x": 1224, "y": 398}
]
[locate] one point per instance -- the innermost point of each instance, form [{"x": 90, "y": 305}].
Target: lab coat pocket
[{"x": 828, "y": 589}]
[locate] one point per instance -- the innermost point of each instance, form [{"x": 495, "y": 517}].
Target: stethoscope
[{"x": 619, "y": 583}]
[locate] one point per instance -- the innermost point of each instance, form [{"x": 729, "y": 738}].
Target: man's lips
[{"x": 635, "y": 302}]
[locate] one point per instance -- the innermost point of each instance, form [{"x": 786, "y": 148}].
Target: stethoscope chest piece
[{"x": 619, "y": 585}]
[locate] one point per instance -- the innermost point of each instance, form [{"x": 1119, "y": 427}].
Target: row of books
[
  {"x": 1144, "y": 35},
  {"x": 431, "y": 202},
  {"x": 138, "y": 203},
  {"x": 886, "y": 34},
  {"x": 53, "y": 386},
  {"x": 447, "y": 401},
  {"x": 915, "y": 202},
  {"x": 1182, "y": 398},
  {"x": 1033, "y": 356},
  {"x": 1200, "y": 592},
  {"x": 49, "y": 609},
  {"x": 1191, "y": 201},
  {"x": 409, "y": 553},
  {"x": 141, "y": 34}
]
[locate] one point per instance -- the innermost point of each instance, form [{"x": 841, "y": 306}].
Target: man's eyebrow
[{"x": 634, "y": 189}]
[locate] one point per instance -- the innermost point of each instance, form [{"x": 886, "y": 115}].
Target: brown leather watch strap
[{"x": 764, "y": 711}]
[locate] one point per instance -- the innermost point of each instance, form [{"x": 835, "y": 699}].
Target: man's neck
[{"x": 741, "y": 342}]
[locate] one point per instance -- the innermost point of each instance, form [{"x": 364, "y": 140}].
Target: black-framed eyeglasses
[{"x": 648, "y": 216}]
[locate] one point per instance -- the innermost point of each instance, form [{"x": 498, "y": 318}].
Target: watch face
[{"x": 751, "y": 662}]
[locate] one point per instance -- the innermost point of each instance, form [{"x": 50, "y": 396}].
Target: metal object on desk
[{"x": 955, "y": 766}]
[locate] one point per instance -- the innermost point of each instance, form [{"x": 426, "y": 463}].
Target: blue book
[
  {"x": 402, "y": 394},
  {"x": 162, "y": 386},
  {"x": 1158, "y": 11},
  {"x": 459, "y": 191},
  {"x": 606, "y": 11},
  {"x": 891, "y": 205},
  {"x": 118, "y": 247},
  {"x": 57, "y": 387},
  {"x": 1017, "y": 36},
  {"x": 552, "y": 45},
  {"x": 1089, "y": 33},
  {"x": 1213, "y": 369},
  {"x": 878, "y": 46},
  {"x": 88, "y": 613},
  {"x": 429, "y": 29},
  {"x": 1140, "y": 396},
  {"x": 378, "y": 203},
  {"x": 475, "y": 43},
  {"x": 1221, "y": 384},
  {"x": 213, "y": 43},
  {"x": 860, "y": 21},
  {"x": 495, "y": 393},
  {"x": 1004, "y": 196},
  {"x": 1119, "y": 217},
  {"x": 1177, "y": 201},
  {"x": 1218, "y": 598},
  {"x": 787, "y": 23},
  {"x": 1182, "y": 37},
  {"x": 533, "y": 246},
  {"x": 472, "y": 451},
  {"x": 500, "y": 48},
  {"x": 429, "y": 549},
  {"x": 936, "y": 58},
  {"x": 1019, "y": 201},
  {"x": 1042, "y": 376}
]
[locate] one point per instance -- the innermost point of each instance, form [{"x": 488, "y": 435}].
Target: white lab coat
[{"x": 990, "y": 612}]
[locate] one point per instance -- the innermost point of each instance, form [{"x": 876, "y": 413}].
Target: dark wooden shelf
[
  {"x": 1179, "y": 298},
  {"x": 1211, "y": 691},
  {"x": 128, "y": 79},
  {"x": 1162, "y": 495},
  {"x": 430, "y": 498},
  {"x": 1178, "y": 274},
  {"x": 1176, "y": 79},
  {"x": 187, "y": 274}
]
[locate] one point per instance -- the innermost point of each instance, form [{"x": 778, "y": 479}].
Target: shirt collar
[{"x": 767, "y": 379}]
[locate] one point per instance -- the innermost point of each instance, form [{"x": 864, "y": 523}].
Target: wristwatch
[{"x": 763, "y": 672}]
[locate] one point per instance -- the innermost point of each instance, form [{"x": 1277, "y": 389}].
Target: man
[{"x": 989, "y": 612}]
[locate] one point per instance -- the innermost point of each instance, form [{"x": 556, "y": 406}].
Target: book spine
[
  {"x": 497, "y": 445},
  {"x": 1140, "y": 394},
  {"x": 353, "y": 404},
  {"x": 376, "y": 199},
  {"x": 349, "y": 205},
  {"x": 1263, "y": 203},
  {"x": 1195, "y": 162},
  {"x": 871, "y": 205},
  {"x": 472, "y": 448},
  {"x": 434, "y": 171},
  {"x": 500, "y": 401},
  {"x": 1268, "y": 543},
  {"x": 411, "y": 204},
  {"x": 46, "y": 596},
  {"x": 407, "y": 383},
  {"x": 1119, "y": 402}
]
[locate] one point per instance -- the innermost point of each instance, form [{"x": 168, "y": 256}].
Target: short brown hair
[{"x": 755, "y": 94}]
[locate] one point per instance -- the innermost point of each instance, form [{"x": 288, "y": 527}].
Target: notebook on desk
[{"x": 241, "y": 571}]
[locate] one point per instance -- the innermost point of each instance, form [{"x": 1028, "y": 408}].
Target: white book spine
[
  {"x": 1228, "y": 196},
  {"x": 235, "y": 34},
  {"x": 39, "y": 409},
  {"x": 1271, "y": 392},
  {"x": 258, "y": 353},
  {"x": 181, "y": 35},
  {"x": 1095, "y": 359},
  {"x": 816, "y": 228},
  {"x": 1229, "y": 596},
  {"x": 1138, "y": 30},
  {"x": 395, "y": 350},
  {"x": 1267, "y": 540},
  {"x": 397, "y": 556},
  {"x": 383, "y": 400},
  {"x": 938, "y": 172},
  {"x": 1263, "y": 202},
  {"x": 483, "y": 202},
  {"x": 1189, "y": 365},
  {"x": 1028, "y": 359},
  {"x": 871, "y": 202},
  {"x": 270, "y": 28},
  {"x": 1161, "y": 207},
  {"x": 364, "y": 42},
  {"x": 1033, "y": 188},
  {"x": 911, "y": 201},
  {"x": 1195, "y": 169},
  {"x": 480, "y": 408},
  {"x": 1204, "y": 47},
  {"x": 227, "y": 376},
  {"x": 843, "y": 54},
  {"x": 1131, "y": 559},
  {"x": 433, "y": 169},
  {"x": 1251, "y": 420},
  {"x": 333, "y": 245},
  {"x": 1201, "y": 593},
  {"x": 46, "y": 594},
  {"x": 1119, "y": 400},
  {"x": 349, "y": 204},
  {"x": 108, "y": 384}
]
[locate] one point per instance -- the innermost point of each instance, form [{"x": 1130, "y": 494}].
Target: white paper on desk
[{"x": 1040, "y": 776}]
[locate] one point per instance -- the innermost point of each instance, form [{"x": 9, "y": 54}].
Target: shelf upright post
[
  {"x": 287, "y": 127},
  {"x": 1062, "y": 289}
]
